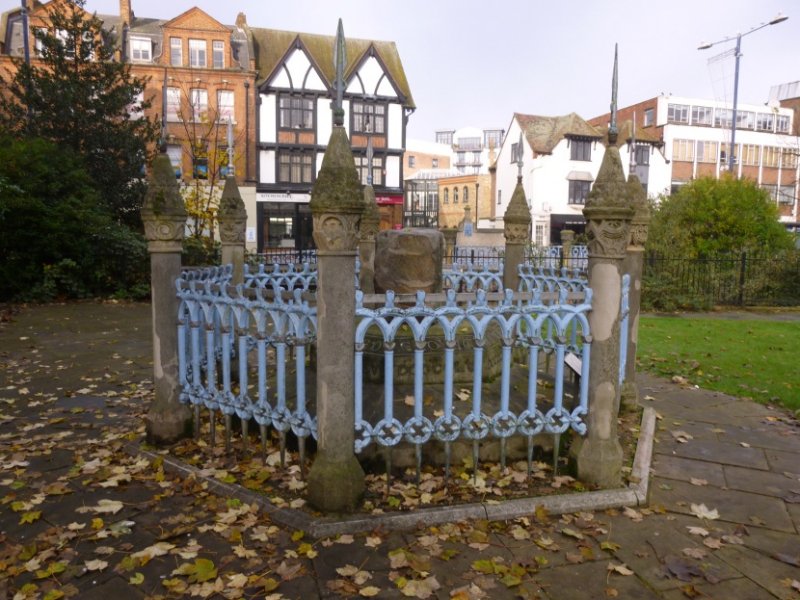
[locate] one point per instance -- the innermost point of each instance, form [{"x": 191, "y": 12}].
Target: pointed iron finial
[
  {"x": 633, "y": 144},
  {"x": 519, "y": 157},
  {"x": 369, "y": 152},
  {"x": 339, "y": 62},
  {"x": 612, "y": 128}
]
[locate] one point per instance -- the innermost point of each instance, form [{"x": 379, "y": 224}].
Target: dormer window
[
  {"x": 197, "y": 54},
  {"x": 580, "y": 150},
  {"x": 141, "y": 49},
  {"x": 218, "y": 54}
]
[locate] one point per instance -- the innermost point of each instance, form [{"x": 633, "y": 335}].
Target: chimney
[{"x": 126, "y": 12}]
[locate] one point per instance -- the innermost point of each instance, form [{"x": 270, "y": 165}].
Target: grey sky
[{"x": 475, "y": 63}]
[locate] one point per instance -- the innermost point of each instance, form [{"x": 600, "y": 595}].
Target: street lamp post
[{"x": 779, "y": 18}]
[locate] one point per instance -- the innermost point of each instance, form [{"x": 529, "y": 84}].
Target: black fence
[
  {"x": 283, "y": 256},
  {"x": 477, "y": 256},
  {"x": 742, "y": 279}
]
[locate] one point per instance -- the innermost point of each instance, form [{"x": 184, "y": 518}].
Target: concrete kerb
[{"x": 635, "y": 494}]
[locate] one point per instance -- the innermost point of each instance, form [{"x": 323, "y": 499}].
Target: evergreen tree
[{"x": 77, "y": 95}]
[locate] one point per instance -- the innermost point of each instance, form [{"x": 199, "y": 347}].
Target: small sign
[
  {"x": 573, "y": 362},
  {"x": 250, "y": 234}
]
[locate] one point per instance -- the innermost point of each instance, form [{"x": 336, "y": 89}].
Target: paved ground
[{"x": 80, "y": 518}]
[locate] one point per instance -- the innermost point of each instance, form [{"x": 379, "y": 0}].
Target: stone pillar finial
[
  {"x": 232, "y": 218},
  {"x": 567, "y": 237},
  {"x": 163, "y": 211},
  {"x": 336, "y": 479},
  {"x": 164, "y": 218},
  {"x": 517, "y": 231}
]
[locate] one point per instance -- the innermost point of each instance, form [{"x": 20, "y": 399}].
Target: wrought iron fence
[
  {"x": 741, "y": 279},
  {"x": 283, "y": 256},
  {"x": 478, "y": 256},
  {"x": 552, "y": 257}
]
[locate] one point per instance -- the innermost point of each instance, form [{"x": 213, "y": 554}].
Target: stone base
[
  {"x": 629, "y": 394},
  {"x": 167, "y": 425},
  {"x": 335, "y": 486},
  {"x": 598, "y": 462}
]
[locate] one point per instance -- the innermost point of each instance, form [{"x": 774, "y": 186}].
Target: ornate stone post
[
  {"x": 567, "y": 237},
  {"x": 367, "y": 232},
  {"x": 164, "y": 218},
  {"x": 336, "y": 479},
  {"x": 608, "y": 214},
  {"x": 517, "y": 231},
  {"x": 450, "y": 236},
  {"x": 232, "y": 218},
  {"x": 634, "y": 266}
]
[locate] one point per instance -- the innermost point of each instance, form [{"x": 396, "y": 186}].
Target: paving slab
[
  {"x": 761, "y": 569},
  {"x": 781, "y": 461},
  {"x": 761, "y": 482},
  {"x": 738, "y": 589},
  {"x": 674, "y": 467},
  {"x": 720, "y": 452},
  {"x": 734, "y": 506},
  {"x": 588, "y": 581}
]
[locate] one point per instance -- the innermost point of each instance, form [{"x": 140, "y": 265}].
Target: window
[
  {"x": 225, "y": 106},
  {"x": 38, "y": 45},
  {"x": 218, "y": 54},
  {"x": 765, "y": 122},
  {"x": 706, "y": 152},
  {"x": 197, "y": 54},
  {"x": 141, "y": 49},
  {"x": 649, "y": 117},
  {"x": 175, "y": 52},
  {"x": 642, "y": 154},
  {"x": 514, "y": 151},
  {"x": 294, "y": 167},
  {"x": 199, "y": 100},
  {"x": 465, "y": 198},
  {"x": 135, "y": 108},
  {"x": 702, "y": 115},
  {"x": 200, "y": 161},
  {"x": 539, "y": 239},
  {"x": 683, "y": 150},
  {"x": 175, "y": 153},
  {"x": 771, "y": 189},
  {"x": 499, "y": 197},
  {"x": 723, "y": 117},
  {"x": 750, "y": 154},
  {"x": 789, "y": 158},
  {"x": 579, "y": 191},
  {"x": 771, "y": 156},
  {"x": 445, "y": 137},
  {"x": 782, "y": 124},
  {"x": 469, "y": 143},
  {"x": 296, "y": 112},
  {"x": 745, "y": 119},
  {"x": 412, "y": 161},
  {"x": 446, "y": 195},
  {"x": 786, "y": 194},
  {"x": 461, "y": 158},
  {"x": 455, "y": 195},
  {"x": 678, "y": 113},
  {"x": 435, "y": 163},
  {"x": 173, "y": 104},
  {"x": 369, "y": 118},
  {"x": 492, "y": 138},
  {"x": 580, "y": 150},
  {"x": 724, "y": 149},
  {"x": 377, "y": 169}
]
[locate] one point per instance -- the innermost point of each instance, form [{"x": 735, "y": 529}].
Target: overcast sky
[{"x": 476, "y": 62}]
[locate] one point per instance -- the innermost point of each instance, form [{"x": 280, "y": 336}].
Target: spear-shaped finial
[
  {"x": 369, "y": 151},
  {"x": 612, "y": 128},
  {"x": 339, "y": 62},
  {"x": 519, "y": 157},
  {"x": 633, "y": 143}
]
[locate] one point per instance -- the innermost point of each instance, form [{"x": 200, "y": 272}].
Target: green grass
[{"x": 748, "y": 358}]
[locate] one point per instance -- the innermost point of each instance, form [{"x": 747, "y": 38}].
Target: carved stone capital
[
  {"x": 608, "y": 231},
  {"x": 516, "y": 233},
  {"x": 517, "y": 218},
  {"x": 336, "y": 232},
  {"x": 639, "y": 229}
]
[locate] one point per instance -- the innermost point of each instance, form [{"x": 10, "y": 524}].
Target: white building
[{"x": 561, "y": 159}]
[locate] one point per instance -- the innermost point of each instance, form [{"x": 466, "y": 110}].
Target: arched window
[
  {"x": 446, "y": 195},
  {"x": 466, "y": 194},
  {"x": 455, "y": 195}
]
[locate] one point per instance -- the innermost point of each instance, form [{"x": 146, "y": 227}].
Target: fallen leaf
[
  {"x": 103, "y": 506},
  {"x": 622, "y": 569},
  {"x": 369, "y": 591},
  {"x": 696, "y": 481},
  {"x": 697, "y": 531},
  {"x": 712, "y": 543},
  {"x": 95, "y": 565},
  {"x": 697, "y": 553},
  {"x": 701, "y": 511}
]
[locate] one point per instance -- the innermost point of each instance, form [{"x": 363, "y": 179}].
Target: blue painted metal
[
  {"x": 550, "y": 279},
  {"x": 466, "y": 278},
  {"x": 523, "y": 321},
  {"x": 220, "y": 327}
]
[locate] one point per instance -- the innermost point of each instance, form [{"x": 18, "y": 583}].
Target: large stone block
[{"x": 408, "y": 260}]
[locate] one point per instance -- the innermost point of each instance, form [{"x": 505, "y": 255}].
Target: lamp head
[
  {"x": 704, "y": 45},
  {"x": 779, "y": 18}
]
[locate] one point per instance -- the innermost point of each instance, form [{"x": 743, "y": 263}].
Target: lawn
[{"x": 746, "y": 358}]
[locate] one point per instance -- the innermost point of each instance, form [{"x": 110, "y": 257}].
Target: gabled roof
[
  {"x": 196, "y": 12},
  {"x": 271, "y": 46},
  {"x": 544, "y": 133}
]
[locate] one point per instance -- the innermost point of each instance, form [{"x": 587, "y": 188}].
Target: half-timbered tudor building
[{"x": 295, "y": 88}]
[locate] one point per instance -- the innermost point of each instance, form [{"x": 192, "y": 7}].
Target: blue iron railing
[{"x": 466, "y": 278}]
